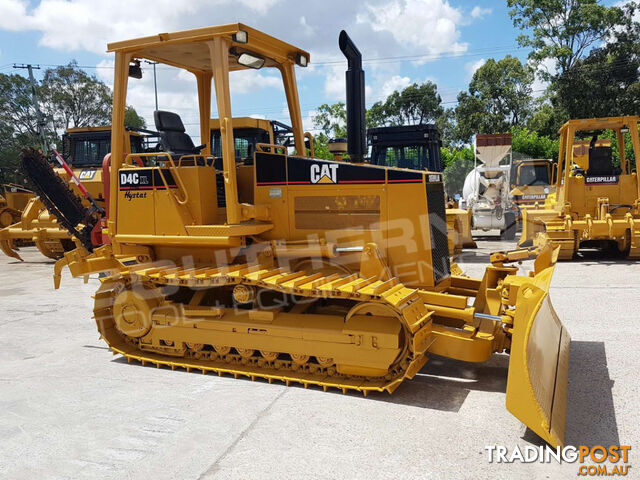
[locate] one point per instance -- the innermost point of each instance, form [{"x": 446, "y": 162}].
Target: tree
[
  {"x": 132, "y": 119},
  {"x": 457, "y": 163},
  {"x": 321, "y": 147},
  {"x": 546, "y": 119},
  {"x": 498, "y": 98},
  {"x": 16, "y": 105},
  {"x": 604, "y": 83},
  {"x": 331, "y": 119},
  {"x": 75, "y": 98},
  {"x": 533, "y": 145},
  {"x": 564, "y": 30},
  {"x": 415, "y": 105},
  {"x": 18, "y": 125},
  {"x": 446, "y": 126},
  {"x": 375, "y": 115}
]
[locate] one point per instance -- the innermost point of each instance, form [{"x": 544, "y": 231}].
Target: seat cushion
[
  {"x": 168, "y": 121},
  {"x": 177, "y": 142}
]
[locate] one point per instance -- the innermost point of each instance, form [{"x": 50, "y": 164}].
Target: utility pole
[
  {"x": 155, "y": 83},
  {"x": 39, "y": 117}
]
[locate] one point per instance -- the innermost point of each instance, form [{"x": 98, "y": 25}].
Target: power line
[
  {"x": 428, "y": 56},
  {"x": 340, "y": 61}
]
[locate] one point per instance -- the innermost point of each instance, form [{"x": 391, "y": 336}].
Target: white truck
[{"x": 486, "y": 187}]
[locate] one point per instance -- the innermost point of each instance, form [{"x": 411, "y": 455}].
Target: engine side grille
[{"x": 438, "y": 226}]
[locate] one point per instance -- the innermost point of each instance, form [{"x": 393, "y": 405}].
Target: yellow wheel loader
[
  {"x": 596, "y": 203},
  {"x": 84, "y": 150},
  {"x": 323, "y": 274}
]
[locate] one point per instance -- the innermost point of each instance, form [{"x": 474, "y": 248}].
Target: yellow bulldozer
[
  {"x": 83, "y": 149},
  {"x": 531, "y": 183},
  {"x": 13, "y": 200},
  {"x": 323, "y": 274},
  {"x": 596, "y": 203}
]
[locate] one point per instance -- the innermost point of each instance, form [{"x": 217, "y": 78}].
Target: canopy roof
[
  {"x": 613, "y": 123},
  {"x": 189, "y": 50}
]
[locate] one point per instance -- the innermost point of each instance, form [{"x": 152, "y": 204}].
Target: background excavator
[
  {"x": 323, "y": 274},
  {"x": 597, "y": 203}
]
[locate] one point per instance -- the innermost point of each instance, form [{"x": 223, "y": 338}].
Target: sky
[{"x": 402, "y": 42}]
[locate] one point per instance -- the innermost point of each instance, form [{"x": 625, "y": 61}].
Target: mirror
[{"x": 250, "y": 60}]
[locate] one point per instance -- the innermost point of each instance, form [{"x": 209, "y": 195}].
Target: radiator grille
[{"x": 438, "y": 226}]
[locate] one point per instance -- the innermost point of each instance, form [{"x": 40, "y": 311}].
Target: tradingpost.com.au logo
[{"x": 607, "y": 461}]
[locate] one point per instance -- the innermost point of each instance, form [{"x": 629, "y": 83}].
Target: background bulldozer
[
  {"x": 597, "y": 203},
  {"x": 531, "y": 183},
  {"x": 323, "y": 274},
  {"x": 13, "y": 200},
  {"x": 418, "y": 147},
  {"x": 84, "y": 150}
]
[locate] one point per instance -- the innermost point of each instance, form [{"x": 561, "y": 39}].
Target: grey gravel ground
[{"x": 70, "y": 409}]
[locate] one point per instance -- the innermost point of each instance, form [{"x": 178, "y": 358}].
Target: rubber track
[
  {"x": 406, "y": 301},
  {"x": 57, "y": 197}
]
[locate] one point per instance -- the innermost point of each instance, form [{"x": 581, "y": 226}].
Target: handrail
[
  {"x": 173, "y": 169},
  {"x": 261, "y": 147},
  {"x": 311, "y": 146}
]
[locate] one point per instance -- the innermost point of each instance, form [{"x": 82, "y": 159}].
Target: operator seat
[
  {"x": 600, "y": 161},
  {"x": 173, "y": 138}
]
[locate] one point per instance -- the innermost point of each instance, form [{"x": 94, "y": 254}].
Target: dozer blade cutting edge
[{"x": 539, "y": 364}]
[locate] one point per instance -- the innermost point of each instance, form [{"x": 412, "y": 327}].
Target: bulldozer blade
[{"x": 539, "y": 364}]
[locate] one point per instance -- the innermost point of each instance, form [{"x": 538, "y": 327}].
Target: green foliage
[
  {"x": 534, "y": 145},
  {"x": 547, "y": 120},
  {"x": 376, "y": 115},
  {"x": 446, "y": 126},
  {"x": 563, "y": 30},
  {"x": 331, "y": 119},
  {"x": 452, "y": 155},
  {"x": 605, "y": 83},
  {"x": 498, "y": 98},
  {"x": 132, "y": 119},
  {"x": 415, "y": 105},
  {"x": 16, "y": 106},
  {"x": 320, "y": 147},
  {"x": 457, "y": 164},
  {"x": 628, "y": 148},
  {"x": 18, "y": 126},
  {"x": 74, "y": 98}
]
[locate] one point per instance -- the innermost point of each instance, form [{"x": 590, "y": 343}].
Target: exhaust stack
[{"x": 356, "y": 129}]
